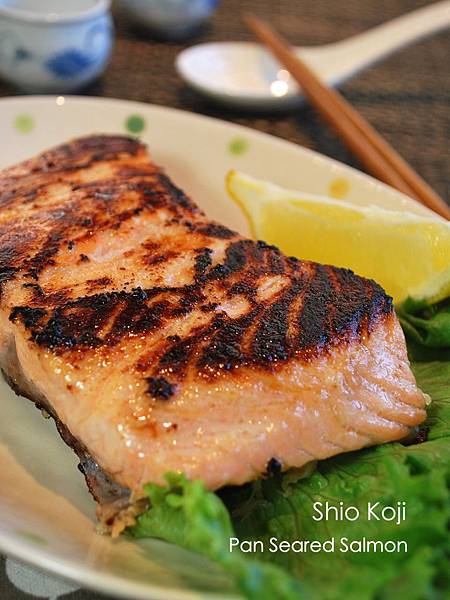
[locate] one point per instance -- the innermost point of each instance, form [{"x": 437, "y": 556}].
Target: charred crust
[
  {"x": 209, "y": 307},
  {"x": 225, "y": 350},
  {"x": 30, "y": 317},
  {"x": 173, "y": 338},
  {"x": 265, "y": 246},
  {"x": 270, "y": 343},
  {"x": 177, "y": 355},
  {"x": 6, "y": 273},
  {"x": 137, "y": 318},
  {"x": 129, "y": 172},
  {"x": 84, "y": 152},
  {"x": 236, "y": 257},
  {"x": 44, "y": 257},
  {"x": 100, "y": 282},
  {"x": 94, "y": 205},
  {"x": 187, "y": 303},
  {"x": 361, "y": 303},
  {"x": 160, "y": 388},
  {"x": 318, "y": 308},
  {"x": 276, "y": 263},
  {"x": 215, "y": 230},
  {"x": 273, "y": 467},
  {"x": 243, "y": 288},
  {"x": 33, "y": 286},
  {"x": 56, "y": 334},
  {"x": 152, "y": 259},
  {"x": 313, "y": 317},
  {"x": 32, "y": 274},
  {"x": 176, "y": 194},
  {"x": 203, "y": 261}
]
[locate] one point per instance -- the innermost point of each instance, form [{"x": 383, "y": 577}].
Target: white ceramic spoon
[{"x": 244, "y": 74}]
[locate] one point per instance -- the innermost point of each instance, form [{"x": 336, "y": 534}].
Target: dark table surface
[{"x": 406, "y": 98}]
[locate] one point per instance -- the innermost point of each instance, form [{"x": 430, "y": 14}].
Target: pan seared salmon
[{"x": 160, "y": 340}]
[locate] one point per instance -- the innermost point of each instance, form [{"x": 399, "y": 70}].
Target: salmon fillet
[{"x": 162, "y": 341}]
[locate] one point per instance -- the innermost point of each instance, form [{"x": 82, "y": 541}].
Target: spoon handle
[{"x": 351, "y": 55}]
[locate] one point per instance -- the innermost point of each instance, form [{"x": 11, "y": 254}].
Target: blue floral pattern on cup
[
  {"x": 68, "y": 63},
  {"x": 71, "y": 62},
  {"x": 57, "y": 57}
]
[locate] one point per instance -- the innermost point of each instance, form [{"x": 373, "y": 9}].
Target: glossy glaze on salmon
[{"x": 160, "y": 340}]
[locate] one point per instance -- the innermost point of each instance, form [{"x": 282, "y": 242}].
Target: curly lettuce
[
  {"x": 427, "y": 328},
  {"x": 185, "y": 513}
]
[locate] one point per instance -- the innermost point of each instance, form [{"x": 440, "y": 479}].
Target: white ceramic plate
[{"x": 46, "y": 514}]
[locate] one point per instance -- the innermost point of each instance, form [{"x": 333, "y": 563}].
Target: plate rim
[
  {"x": 114, "y": 585},
  {"x": 306, "y": 152}
]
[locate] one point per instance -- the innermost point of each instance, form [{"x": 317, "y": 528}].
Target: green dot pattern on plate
[
  {"x": 135, "y": 124},
  {"x": 238, "y": 146},
  {"x": 32, "y": 537},
  {"x": 24, "y": 123}
]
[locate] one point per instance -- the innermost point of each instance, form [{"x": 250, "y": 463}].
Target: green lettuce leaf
[
  {"x": 427, "y": 328},
  {"x": 281, "y": 507},
  {"x": 185, "y": 513}
]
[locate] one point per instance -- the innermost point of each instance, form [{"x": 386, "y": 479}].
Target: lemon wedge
[{"x": 407, "y": 254}]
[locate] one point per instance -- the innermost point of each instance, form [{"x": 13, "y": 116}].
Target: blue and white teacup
[
  {"x": 169, "y": 19},
  {"x": 54, "y": 46}
]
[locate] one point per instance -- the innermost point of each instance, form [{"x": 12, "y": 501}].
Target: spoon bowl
[
  {"x": 245, "y": 75},
  {"x": 240, "y": 73}
]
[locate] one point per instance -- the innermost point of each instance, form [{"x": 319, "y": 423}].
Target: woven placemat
[{"x": 406, "y": 98}]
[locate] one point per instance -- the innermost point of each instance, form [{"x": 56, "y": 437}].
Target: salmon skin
[{"x": 160, "y": 340}]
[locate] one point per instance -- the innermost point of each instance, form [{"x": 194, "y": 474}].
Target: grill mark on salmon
[
  {"x": 64, "y": 328},
  {"x": 116, "y": 290}
]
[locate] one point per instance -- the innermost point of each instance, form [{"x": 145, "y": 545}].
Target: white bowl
[
  {"x": 170, "y": 19},
  {"x": 54, "y": 45}
]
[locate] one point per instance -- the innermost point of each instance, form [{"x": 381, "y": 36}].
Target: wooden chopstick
[{"x": 364, "y": 141}]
